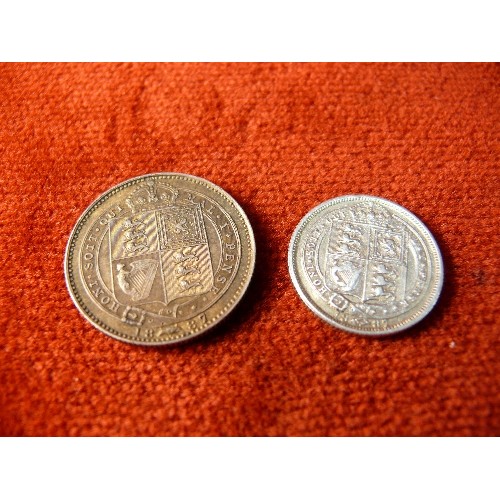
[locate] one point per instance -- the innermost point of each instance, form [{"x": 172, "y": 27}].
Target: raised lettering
[
  {"x": 98, "y": 291},
  {"x": 226, "y": 268},
  {"x": 113, "y": 306}
]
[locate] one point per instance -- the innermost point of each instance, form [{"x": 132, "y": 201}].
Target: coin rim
[
  {"x": 245, "y": 282},
  {"x": 316, "y": 310}
]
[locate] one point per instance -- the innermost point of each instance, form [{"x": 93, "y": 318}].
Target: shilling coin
[
  {"x": 159, "y": 259},
  {"x": 366, "y": 265}
]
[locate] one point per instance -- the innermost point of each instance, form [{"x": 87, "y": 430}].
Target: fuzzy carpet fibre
[{"x": 280, "y": 138}]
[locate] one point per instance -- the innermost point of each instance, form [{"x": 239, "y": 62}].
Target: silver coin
[
  {"x": 159, "y": 259},
  {"x": 366, "y": 265}
]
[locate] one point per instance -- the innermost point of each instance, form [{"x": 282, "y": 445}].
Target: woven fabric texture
[{"x": 280, "y": 138}]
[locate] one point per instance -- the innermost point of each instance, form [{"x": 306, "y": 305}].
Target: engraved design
[
  {"x": 365, "y": 257},
  {"x": 137, "y": 281},
  {"x": 179, "y": 226},
  {"x": 345, "y": 256},
  {"x": 149, "y": 193},
  {"x": 133, "y": 316},
  {"x": 135, "y": 237},
  {"x": 172, "y": 236},
  {"x": 383, "y": 282},
  {"x": 167, "y": 331},
  {"x": 387, "y": 245},
  {"x": 187, "y": 271}
]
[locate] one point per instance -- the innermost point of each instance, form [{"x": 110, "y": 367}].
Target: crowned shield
[
  {"x": 160, "y": 255},
  {"x": 366, "y": 262}
]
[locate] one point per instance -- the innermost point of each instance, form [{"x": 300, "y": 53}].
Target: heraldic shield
[
  {"x": 167, "y": 248},
  {"x": 366, "y": 263}
]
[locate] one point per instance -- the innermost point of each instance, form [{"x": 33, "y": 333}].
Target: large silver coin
[
  {"x": 366, "y": 265},
  {"x": 159, "y": 259}
]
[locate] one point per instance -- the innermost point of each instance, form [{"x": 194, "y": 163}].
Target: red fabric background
[{"x": 281, "y": 138}]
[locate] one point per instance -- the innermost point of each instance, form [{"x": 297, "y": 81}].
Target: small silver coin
[
  {"x": 160, "y": 259},
  {"x": 366, "y": 265}
]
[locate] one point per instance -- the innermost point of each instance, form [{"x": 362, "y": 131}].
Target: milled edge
[
  {"x": 423, "y": 310},
  {"x": 232, "y": 303}
]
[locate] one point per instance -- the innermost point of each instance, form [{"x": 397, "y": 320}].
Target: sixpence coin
[{"x": 366, "y": 265}]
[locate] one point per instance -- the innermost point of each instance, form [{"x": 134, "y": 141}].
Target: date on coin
[
  {"x": 366, "y": 265},
  {"x": 159, "y": 259}
]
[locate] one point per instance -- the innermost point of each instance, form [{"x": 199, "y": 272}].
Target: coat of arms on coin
[
  {"x": 366, "y": 265},
  {"x": 160, "y": 258}
]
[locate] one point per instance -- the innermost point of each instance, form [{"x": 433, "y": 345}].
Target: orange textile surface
[{"x": 280, "y": 138}]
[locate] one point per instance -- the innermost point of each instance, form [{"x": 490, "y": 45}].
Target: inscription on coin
[
  {"x": 160, "y": 258},
  {"x": 366, "y": 265}
]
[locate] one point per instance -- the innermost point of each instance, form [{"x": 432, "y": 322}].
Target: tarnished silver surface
[
  {"x": 159, "y": 259},
  {"x": 366, "y": 265}
]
